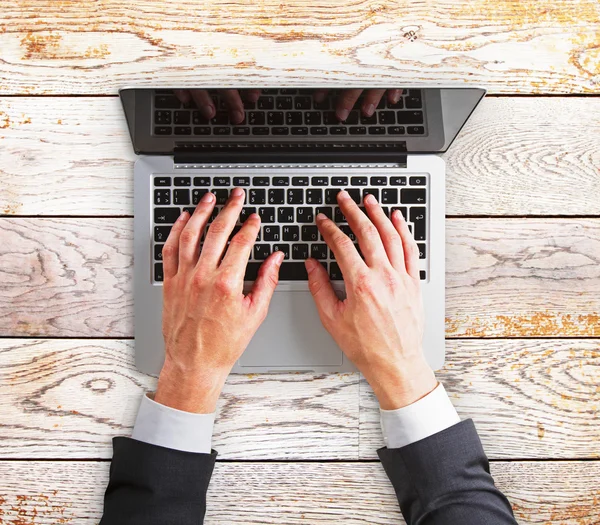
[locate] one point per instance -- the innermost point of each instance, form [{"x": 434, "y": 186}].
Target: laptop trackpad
[{"x": 292, "y": 335}]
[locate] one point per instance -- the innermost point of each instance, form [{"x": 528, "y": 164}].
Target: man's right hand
[{"x": 379, "y": 325}]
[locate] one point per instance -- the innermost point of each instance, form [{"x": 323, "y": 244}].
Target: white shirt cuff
[
  {"x": 425, "y": 417},
  {"x": 171, "y": 428}
]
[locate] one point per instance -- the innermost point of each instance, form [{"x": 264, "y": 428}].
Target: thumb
[
  {"x": 266, "y": 281},
  {"x": 321, "y": 289}
]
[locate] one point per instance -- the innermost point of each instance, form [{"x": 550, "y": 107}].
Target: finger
[
  {"x": 370, "y": 101},
  {"x": 189, "y": 240},
  {"x": 170, "y": 251},
  {"x": 343, "y": 248},
  {"x": 393, "y": 95},
  {"x": 368, "y": 237},
  {"x": 411, "y": 250},
  {"x": 204, "y": 102},
  {"x": 183, "y": 95},
  {"x": 234, "y": 104},
  {"x": 220, "y": 230},
  {"x": 235, "y": 260},
  {"x": 321, "y": 289},
  {"x": 392, "y": 243},
  {"x": 265, "y": 283},
  {"x": 251, "y": 95},
  {"x": 345, "y": 102},
  {"x": 320, "y": 95}
]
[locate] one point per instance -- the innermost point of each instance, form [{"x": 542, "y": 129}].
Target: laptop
[{"x": 292, "y": 154}]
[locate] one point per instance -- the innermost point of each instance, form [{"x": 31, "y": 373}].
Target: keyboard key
[
  {"x": 275, "y": 118},
  {"x": 181, "y": 118},
  {"x": 257, "y": 196},
  {"x": 313, "y": 118},
  {"x": 314, "y": 196},
  {"x": 281, "y": 181},
  {"x": 203, "y": 130},
  {"x": 410, "y": 117},
  {"x": 201, "y": 181},
  {"x": 417, "y": 181},
  {"x": 271, "y": 233},
  {"x": 396, "y": 105},
  {"x": 166, "y": 102},
  {"x": 352, "y": 118},
  {"x": 302, "y": 103},
  {"x": 299, "y": 181},
  {"x": 252, "y": 271},
  {"x": 334, "y": 272},
  {"x": 241, "y": 131},
  {"x": 162, "y": 130},
  {"x": 162, "y": 196},
  {"x": 276, "y": 196},
  {"x": 346, "y": 229},
  {"x": 359, "y": 181},
  {"x": 220, "y": 119},
  {"x": 162, "y": 117},
  {"x": 358, "y": 130},
  {"x": 222, "y": 181},
  {"x": 304, "y": 215},
  {"x": 181, "y": 197},
  {"x": 339, "y": 181},
  {"x": 396, "y": 130},
  {"x": 260, "y": 131},
  {"x": 318, "y": 131},
  {"x": 291, "y": 233},
  {"x": 413, "y": 101},
  {"x": 354, "y": 194},
  {"x": 389, "y": 196},
  {"x": 261, "y": 251},
  {"x": 246, "y": 212},
  {"x": 398, "y": 181},
  {"x": 412, "y": 196},
  {"x": 387, "y": 117},
  {"x": 285, "y": 215},
  {"x": 158, "y": 252},
  {"x": 293, "y": 118},
  {"x": 199, "y": 120},
  {"x": 403, "y": 211},
  {"x": 368, "y": 120},
  {"x": 158, "y": 272},
  {"x": 300, "y": 131},
  {"x": 222, "y": 195},
  {"x": 295, "y": 196},
  {"x": 161, "y": 233},
  {"x": 310, "y": 233},
  {"x": 323, "y": 105},
  {"x": 162, "y": 181},
  {"x": 290, "y": 271},
  {"x": 266, "y": 103},
  {"x": 418, "y": 218},
  {"x": 415, "y": 130},
  {"x": 284, "y": 103},
  {"x": 319, "y": 181},
  {"x": 371, "y": 191},
  {"x": 338, "y": 130},
  {"x": 422, "y": 275},
  {"x": 422, "y": 250},
  {"x": 256, "y": 118},
  {"x": 241, "y": 181},
  {"x": 331, "y": 196},
  {"x": 267, "y": 215},
  {"x": 197, "y": 195},
  {"x": 338, "y": 216},
  {"x": 325, "y": 210},
  {"x": 318, "y": 251},
  {"x": 280, "y": 131},
  {"x": 183, "y": 181},
  {"x": 221, "y": 130},
  {"x": 379, "y": 181},
  {"x": 376, "y": 130},
  {"x": 330, "y": 118},
  {"x": 166, "y": 215},
  {"x": 260, "y": 181},
  {"x": 285, "y": 248},
  {"x": 299, "y": 252}
]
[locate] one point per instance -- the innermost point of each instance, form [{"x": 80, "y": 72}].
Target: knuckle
[
  {"x": 169, "y": 251},
  {"x": 187, "y": 237},
  {"x": 343, "y": 241},
  {"x": 363, "y": 284},
  {"x": 217, "y": 227},
  {"x": 241, "y": 240},
  {"x": 367, "y": 230},
  {"x": 225, "y": 282}
]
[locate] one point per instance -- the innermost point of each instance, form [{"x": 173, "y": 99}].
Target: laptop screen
[{"x": 409, "y": 120}]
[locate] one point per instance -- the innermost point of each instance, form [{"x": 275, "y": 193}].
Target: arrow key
[{"x": 413, "y": 196}]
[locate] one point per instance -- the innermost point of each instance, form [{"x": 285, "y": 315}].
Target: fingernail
[
  {"x": 343, "y": 195},
  {"x": 370, "y": 199},
  {"x": 207, "y": 197},
  {"x": 183, "y": 215},
  {"x": 237, "y": 192},
  {"x": 238, "y": 117},
  {"x": 207, "y": 111},
  {"x": 343, "y": 114},
  {"x": 369, "y": 110},
  {"x": 395, "y": 97},
  {"x": 321, "y": 217},
  {"x": 280, "y": 256},
  {"x": 311, "y": 264}
]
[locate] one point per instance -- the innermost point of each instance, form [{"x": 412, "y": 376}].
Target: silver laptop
[{"x": 291, "y": 154}]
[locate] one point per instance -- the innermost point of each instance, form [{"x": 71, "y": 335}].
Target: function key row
[
  {"x": 283, "y": 131},
  {"x": 319, "y": 180}
]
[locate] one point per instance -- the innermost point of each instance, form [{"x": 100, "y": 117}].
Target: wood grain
[
  {"x": 89, "y": 47},
  {"x": 516, "y": 156},
  {"x": 529, "y": 399},
  {"x": 542, "y": 493},
  {"x": 504, "y": 277}
]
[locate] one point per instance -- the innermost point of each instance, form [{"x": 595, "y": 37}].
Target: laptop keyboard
[
  {"x": 288, "y": 205},
  {"x": 289, "y": 112}
]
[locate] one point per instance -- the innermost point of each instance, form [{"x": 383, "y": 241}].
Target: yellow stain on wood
[
  {"x": 12, "y": 208},
  {"x": 540, "y": 430},
  {"x": 39, "y": 45},
  {"x": 4, "y": 120}
]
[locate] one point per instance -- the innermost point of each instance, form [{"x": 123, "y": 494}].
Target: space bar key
[{"x": 289, "y": 271}]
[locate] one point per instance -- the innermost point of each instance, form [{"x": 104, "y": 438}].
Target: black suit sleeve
[
  {"x": 445, "y": 479},
  {"x": 152, "y": 485}
]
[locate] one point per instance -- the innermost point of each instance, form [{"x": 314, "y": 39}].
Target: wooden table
[{"x": 523, "y": 250}]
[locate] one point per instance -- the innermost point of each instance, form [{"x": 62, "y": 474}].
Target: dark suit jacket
[{"x": 441, "y": 480}]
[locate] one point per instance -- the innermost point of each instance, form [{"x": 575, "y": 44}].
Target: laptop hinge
[{"x": 267, "y": 153}]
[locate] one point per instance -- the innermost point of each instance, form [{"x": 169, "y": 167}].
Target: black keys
[
  {"x": 158, "y": 252},
  {"x": 339, "y": 181},
  {"x": 299, "y": 131},
  {"x": 197, "y": 195},
  {"x": 358, "y": 130},
  {"x": 389, "y": 196},
  {"x": 162, "y": 181},
  {"x": 418, "y": 218},
  {"x": 271, "y": 233},
  {"x": 334, "y": 272},
  {"x": 414, "y": 101},
  {"x": 162, "y": 130},
  {"x": 410, "y": 117},
  {"x": 319, "y": 181},
  {"x": 162, "y": 117},
  {"x": 166, "y": 215},
  {"x": 166, "y": 102},
  {"x": 275, "y": 118},
  {"x": 379, "y": 181},
  {"x": 222, "y": 195},
  {"x": 319, "y": 130},
  {"x": 352, "y": 118},
  {"x": 261, "y": 251},
  {"x": 313, "y": 118},
  {"x": 403, "y": 211},
  {"x": 256, "y": 118},
  {"x": 359, "y": 181},
  {"x": 323, "y": 105},
  {"x": 396, "y": 130},
  {"x": 201, "y": 181},
  {"x": 339, "y": 216},
  {"x": 310, "y": 233},
  {"x": 265, "y": 103},
  {"x": 354, "y": 194},
  {"x": 417, "y": 181},
  {"x": 299, "y": 252},
  {"x": 181, "y": 197},
  {"x": 299, "y": 181},
  {"x": 158, "y": 272},
  {"x": 412, "y": 196},
  {"x": 422, "y": 275},
  {"x": 241, "y": 131},
  {"x": 181, "y": 118},
  {"x": 368, "y": 120},
  {"x": 291, "y": 233},
  {"x": 267, "y": 215},
  {"x": 398, "y": 181},
  {"x": 241, "y": 181},
  {"x": 280, "y": 131},
  {"x": 257, "y": 196},
  {"x": 276, "y": 196},
  {"x": 281, "y": 181},
  {"x": 331, "y": 196},
  {"x": 387, "y": 117},
  {"x": 295, "y": 196},
  {"x": 285, "y": 215},
  {"x": 314, "y": 196},
  {"x": 220, "y": 119},
  {"x": 161, "y": 233},
  {"x": 371, "y": 191},
  {"x": 338, "y": 130},
  {"x": 198, "y": 119},
  {"x": 327, "y": 211},
  {"x": 189, "y": 209},
  {"x": 183, "y": 181},
  {"x": 260, "y": 181},
  {"x": 222, "y": 181},
  {"x": 246, "y": 212},
  {"x": 202, "y": 130},
  {"x": 252, "y": 271},
  {"x": 284, "y": 103},
  {"x": 260, "y": 131},
  {"x": 302, "y": 103},
  {"x": 318, "y": 251},
  {"x": 376, "y": 130},
  {"x": 285, "y": 248},
  {"x": 162, "y": 196},
  {"x": 330, "y": 118},
  {"x": 292, "y": 271},
  {"x": 304, "y": 215},
  {"x": 422, "y": 250},
  {"x": 415, "y": 130}
]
